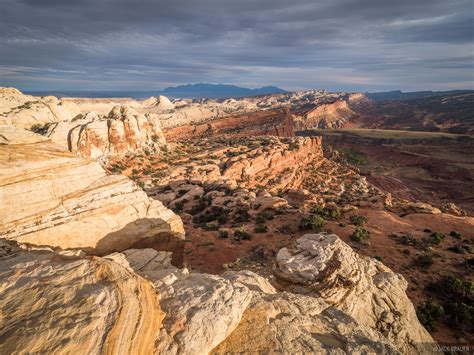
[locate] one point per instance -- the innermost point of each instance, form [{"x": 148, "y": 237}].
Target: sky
[{"x": 345, "y": 45}]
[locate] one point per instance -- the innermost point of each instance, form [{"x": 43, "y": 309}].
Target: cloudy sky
[{"x": 369, "y": 45}]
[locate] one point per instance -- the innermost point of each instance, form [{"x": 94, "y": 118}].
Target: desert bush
[
  {"x": 40, "y": 128},
  {"x": 116, "y": 168},
  {"x": 263, "y": 216},
  {"x": 360, "y": 235},
  {"x": 429, "y": 313},
  {"x": 285, "y": 229},
  {"x": 354, "y": 156},
  {"x": 358, "y": 221},
  {"x": 241, "y": 215},
  {"x": 223, "y": 234},
  {"x": 261, "y": 228},
  {"x": 313, "y": 222},
  {"x": 178, "y": 207},
  {"x": 211, "y": 226},
  {"x": 242, "y": 234},
  {"x": 424, "y": 261},
  {"x": 326, "y": 212},
  {"x": 436, "y": 237},
  {"x": 457, "y": 297},
  {"x": 455, "y": 234}
]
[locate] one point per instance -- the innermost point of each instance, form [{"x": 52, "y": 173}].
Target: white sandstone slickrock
[
  {"x": 323, "y": 265},
  {"x": 64, "y": 305},
  {"x": 135, "y": 301},
  {"x": 49, "y": 197}
]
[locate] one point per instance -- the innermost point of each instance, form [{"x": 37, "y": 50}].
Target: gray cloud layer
[{"x": 151, "y": 44}]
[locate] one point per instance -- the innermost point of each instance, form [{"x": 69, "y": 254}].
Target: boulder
[{"x": 324, "y": 266}]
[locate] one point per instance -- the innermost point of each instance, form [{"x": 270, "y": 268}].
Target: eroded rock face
[
  {"x": 269, "y": 122},
  {"x": 286, "y": 323},
  {"x": 135, "y": 301},
  {"x": 50, "y": 197},
  {"x": 201, "y": 309},
  {"x": 323, "y": 265},
  {"x": 26, "y": 111},
  {"x": 123, "y": 130},
  {"x": 56, "y": 304},
  {"x": 328, "y": 115}
]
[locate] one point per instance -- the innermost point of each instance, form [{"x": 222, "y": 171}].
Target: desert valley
[{"x": 294, "y": 222}]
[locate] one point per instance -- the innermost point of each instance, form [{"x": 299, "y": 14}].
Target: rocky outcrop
[
  {"x": 137, "y": 302},
  {"x": 271, "y": 122},
  {"x": 58, "y": 304},
  {"x": 27, "y": 111},
  {"x": 50, "y": 197},
  {"x": 328, "y": 115},
  {"x": 201, "y": 309},
  {"x": 123, "y": 130},
  {"x": 323, "y": 265},
  {"x": 161, "y": 102}
]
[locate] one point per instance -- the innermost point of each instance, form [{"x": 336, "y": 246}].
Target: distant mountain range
[
  {"x": 400, "y": 95},
  {"x": 191, "y": 91},
  {"x": 217, "y": 91}
]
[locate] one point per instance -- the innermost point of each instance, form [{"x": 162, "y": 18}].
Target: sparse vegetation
[
  {"x": 40, "y": 128},
  {"x": 455, "y": 234},
  {"x": 242, "y": 234},
  {"x": 223, "y": 234},
  {"x": 429, "y": 313},
  {"x": 457, "y": 299},
  {"x": 326, "y": 212},
  {"x": 261, "y": 228},
  {"x": 312, "y": 222},
  {"x": 360, "y": 235},
  {"x": 354, "y": 157},
  {"x": 437, "y": 237},
  {"x": 424, "y": 261},
  {"x": 358, "y": 221}
]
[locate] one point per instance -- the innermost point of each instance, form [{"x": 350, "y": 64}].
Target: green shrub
[
  {"x": 429, "y": 314},
  {"x": 424, "y": 261},
  {"x": 354, "y": 156},
  {"x": 263, "y": 216},
  {"x": 241, "y": 215},
  {"x": 326, "y": 212},
  {"x": 242, "y": 234},
  {"x": 457, "y": 296},
  {"x": 313, "y": 222},
  {"x": 436, "y": 237},
  {"x": 223, "y": 234},
  {"x": 455, "y": 234},
  {"x": 178, "y": 207},
  {"x": 360, "y": 235},
  {"x": 261, "y": 228},
  {"x": 211, "y": 226},
  {"x": 40, "y": 128},
  {"x": 359, "y": 221},
  {"x": 285, "y": 229}
]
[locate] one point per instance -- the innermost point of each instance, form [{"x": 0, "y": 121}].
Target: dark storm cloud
[{"x": 148, "y": 44}]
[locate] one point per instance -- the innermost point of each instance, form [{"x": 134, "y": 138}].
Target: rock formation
[
  {"x": 161, "y": 102},
  {"x": 58, "y": 304},
  {"x": 324, "y": 266},
  {"x": 271, "y": 122},
  {"x": 49, "y": 197},
  {"x": 123, "y": 130},
  {"x": 328, "y": 115},
  {"x": 137, "y": 302},
  {"x": 27, "y": 111}
]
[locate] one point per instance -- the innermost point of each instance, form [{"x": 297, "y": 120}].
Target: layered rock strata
[{"x": 49, "y": 197}]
